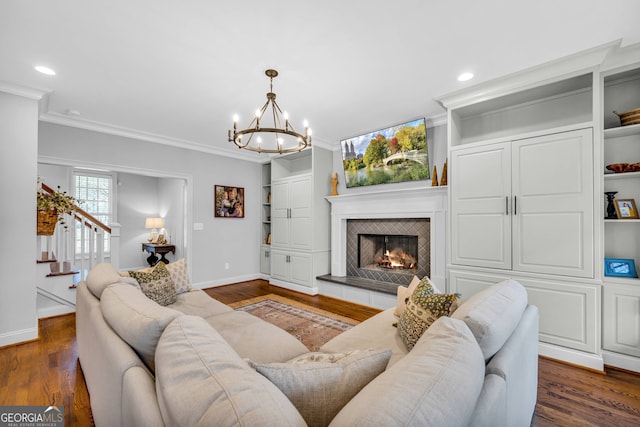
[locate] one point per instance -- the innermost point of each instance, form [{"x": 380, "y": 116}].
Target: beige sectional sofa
[{"x": 196, "y": 362}]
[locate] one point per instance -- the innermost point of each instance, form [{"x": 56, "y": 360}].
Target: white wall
[
  {"x": 234, "y": 241},
  {"x": 172, "y": 199},
  {"x": 18, "y": 176},
  {"x": 137, "y": 199}
]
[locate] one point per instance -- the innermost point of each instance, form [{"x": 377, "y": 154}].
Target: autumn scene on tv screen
[{"x": 395, "y": 154}]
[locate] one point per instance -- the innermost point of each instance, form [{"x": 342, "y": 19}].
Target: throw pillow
[
  {"x": 423, "y": 308},
  {"x": 179, "y": 275},
  {"x": 320, "y": 384},
  {"x": 404, "y": 293},
  {"x": 157, "y": 285}
]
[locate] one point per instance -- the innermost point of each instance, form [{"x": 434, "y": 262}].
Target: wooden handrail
[{"x": 82, "y": 212}]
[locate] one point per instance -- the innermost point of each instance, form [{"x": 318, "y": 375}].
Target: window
[{"x": 96, "y": 190}]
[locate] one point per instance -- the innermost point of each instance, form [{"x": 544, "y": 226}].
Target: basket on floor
[{"x": 46, "y": 222}]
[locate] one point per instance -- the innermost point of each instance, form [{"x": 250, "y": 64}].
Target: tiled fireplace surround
[{"x": 426, "y": 202}]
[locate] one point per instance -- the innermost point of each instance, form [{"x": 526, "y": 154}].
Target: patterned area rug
[{"x": 312, "y": 326}]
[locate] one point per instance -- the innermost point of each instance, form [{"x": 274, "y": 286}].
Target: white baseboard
[
  {"x": 575, "y": 357},
  {"x": 294, "y": 287},
  {"x": 622, "y": 361},
  {"x": 15, "y": 337},
  {"x": 226, "y": 281},
  {"x": 55, "y": 311}
]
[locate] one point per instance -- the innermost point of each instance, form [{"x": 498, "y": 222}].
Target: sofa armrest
[
  {"x": 139, "y": 400},
  {"x": 517, "y": 363}
]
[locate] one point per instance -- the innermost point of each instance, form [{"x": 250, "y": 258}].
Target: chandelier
[{"x": 280, "y": 136}]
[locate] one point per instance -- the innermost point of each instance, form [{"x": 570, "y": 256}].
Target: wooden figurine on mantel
[
  {"x": 334, "y": 184},
  {"x": 443, "y": 181},
  {"x": 434, "y": 178}
]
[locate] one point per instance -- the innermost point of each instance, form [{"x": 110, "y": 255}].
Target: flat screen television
[{"x": 394, "y": 154}]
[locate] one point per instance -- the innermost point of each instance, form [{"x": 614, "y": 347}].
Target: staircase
[{"x": 62, "y": 262}]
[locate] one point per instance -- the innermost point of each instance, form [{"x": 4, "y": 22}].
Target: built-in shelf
[
  {"x": 609, "y": 221},
  {"x": 622, "y": 131},
  {"x": 623, "y": 175}
]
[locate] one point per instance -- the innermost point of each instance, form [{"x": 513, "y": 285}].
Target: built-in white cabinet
[
  {"x": 265, "y": 259},
  {"x": 300, "y": 218},
  {"x": 291, "y": 212},
  {"x": 525, "y": 205},
  {"x": 621, "y": 313},
  {"x": 524, "y": 195},
  {"x": 621, "y": 144}
]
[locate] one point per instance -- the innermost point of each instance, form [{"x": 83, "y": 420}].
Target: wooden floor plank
[{"x": 47, "y": 372}]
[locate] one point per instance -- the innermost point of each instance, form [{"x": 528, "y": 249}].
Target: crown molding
[
  {"x": 571, "y": 65},
  {"x": 80, "y": 123},
  {"x": 23, "y": 91}
]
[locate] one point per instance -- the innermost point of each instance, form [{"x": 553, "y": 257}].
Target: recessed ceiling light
[
  {"x": 45, "y": 70},
  {"x": 465, "y": 76}
]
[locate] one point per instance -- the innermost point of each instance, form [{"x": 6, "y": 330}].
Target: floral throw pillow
[
  {"x": 423, "y": 308},
  {"x": 179, "y": 275},
  {"x": 157, "y": 285}
]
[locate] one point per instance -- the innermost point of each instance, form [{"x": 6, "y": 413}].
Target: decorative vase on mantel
[{"x": 611, "y": 208}]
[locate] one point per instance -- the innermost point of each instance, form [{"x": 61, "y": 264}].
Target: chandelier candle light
[{"x": 279, "y": 145}]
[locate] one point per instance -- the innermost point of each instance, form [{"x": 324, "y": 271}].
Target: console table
[{"x": 161, "y": 250}]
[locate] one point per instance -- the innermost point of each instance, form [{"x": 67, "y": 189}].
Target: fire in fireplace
[{"x": 389, "y": 252}]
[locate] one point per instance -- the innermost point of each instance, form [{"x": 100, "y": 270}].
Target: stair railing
[{"x": 92, "y": 235}]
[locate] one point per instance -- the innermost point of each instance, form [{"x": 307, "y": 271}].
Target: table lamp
[{"x": 154, "y": 224}]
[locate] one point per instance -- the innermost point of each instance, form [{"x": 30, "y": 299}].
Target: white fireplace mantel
[{"x": 423, "y": 202}]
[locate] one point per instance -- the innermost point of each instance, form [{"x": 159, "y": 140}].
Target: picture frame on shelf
[
  {"x": 626, "y": 208},
  {"x": 228, "y": 201},
  {"x": 620, "y": 267}
]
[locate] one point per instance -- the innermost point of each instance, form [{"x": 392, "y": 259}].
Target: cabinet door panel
[
  {"x": 553, "y": 213},
  {"x": 621, "y": 319},
  {"x": 279, "y": 214},
  {"x": 301, "y": 269},
  {"x": 481, "y": 225},
  {"x": 300, "y": 222},
  {"x": 279, "y": 265}
]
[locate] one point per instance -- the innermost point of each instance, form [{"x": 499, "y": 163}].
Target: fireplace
[
  {"x": 373, "y": 212},
  {"x": 389, "y": 250}
]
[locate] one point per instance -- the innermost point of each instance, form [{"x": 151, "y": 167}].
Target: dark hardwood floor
[{"x": 47, "y": 372}]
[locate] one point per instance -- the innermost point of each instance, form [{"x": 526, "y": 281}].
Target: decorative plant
[{"x": 59, "y": 202}]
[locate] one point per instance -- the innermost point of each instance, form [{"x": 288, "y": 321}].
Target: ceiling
[{"x": 175, "y": 72}]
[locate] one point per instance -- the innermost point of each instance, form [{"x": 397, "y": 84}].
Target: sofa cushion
[
  {"x": 201, "y": 380},
  {"x": 101, "y": 276},
  {"x": 376, "y": 332},
  {"x": 157, "y": 284},
  {"x": 136, "y": 319},
  {"x": 320, "y": 384},
  {"x": 255, "y": 339},
  {"x": 196, "y": 302},
  {"x": 423, "y": 308},
  {"x": 436, "y": 384},
  {"x": 180, "y": 275},
  {"x": 493, "y": 313}
]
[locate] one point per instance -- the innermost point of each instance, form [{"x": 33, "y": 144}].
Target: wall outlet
[
  {"x": 226, "y": 266},
  {"x": 198, "y": 226}
]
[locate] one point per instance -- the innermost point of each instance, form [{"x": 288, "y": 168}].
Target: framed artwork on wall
[{"x": 228, "y": 201}]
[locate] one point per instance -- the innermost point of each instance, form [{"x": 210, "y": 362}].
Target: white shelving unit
[
  {"x": 265, "y": 245},
  {"x": 620, "y": 295},
  {"x": 300, "y": 221}
]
